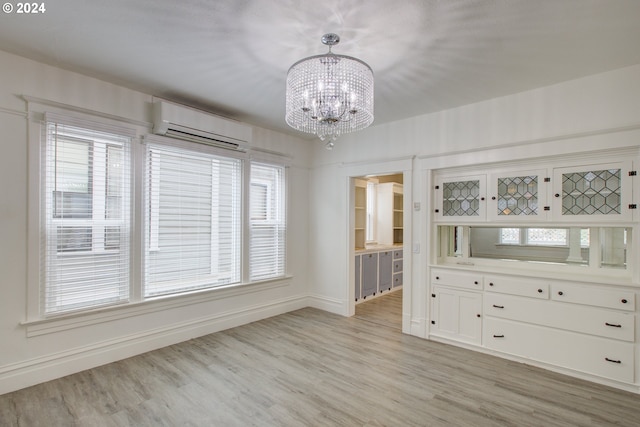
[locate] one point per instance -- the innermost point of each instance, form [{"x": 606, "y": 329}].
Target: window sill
[{"x": 65, "y": 322}]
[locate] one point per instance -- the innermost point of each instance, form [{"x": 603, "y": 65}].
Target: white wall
[
  {"x": 64, "y": 347},
  {"x": 590, "y": 113}
]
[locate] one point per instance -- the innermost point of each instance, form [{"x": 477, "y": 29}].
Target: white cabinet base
[{"x": 598, "y": 356}]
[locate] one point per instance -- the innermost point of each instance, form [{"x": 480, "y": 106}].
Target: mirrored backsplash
[{"x": 604, "y": 247}]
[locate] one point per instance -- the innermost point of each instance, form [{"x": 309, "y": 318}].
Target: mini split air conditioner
[{"x": 185, "y": 123}]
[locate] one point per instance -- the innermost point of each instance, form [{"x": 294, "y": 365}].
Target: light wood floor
[
  {"x": 311, "y": 368},
  {"x": 385, "y": 310}
]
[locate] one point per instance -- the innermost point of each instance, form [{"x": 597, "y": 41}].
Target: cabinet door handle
[
  {"x": 498, "y": 306},
  {"x": 560, "y": 293},
  {"x": 493, "y": 197},
  {"x": 498, "y": 336},
  {"x": 613, "y": 325},
  {"x": 612, "y": 360},
  {"x": 475, "y": 282},
  {"x": 557, "y": 195},
  {"x": 491, "y": 284}
]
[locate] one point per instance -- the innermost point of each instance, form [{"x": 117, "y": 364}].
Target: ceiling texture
[{"x": 231, "y": 57}]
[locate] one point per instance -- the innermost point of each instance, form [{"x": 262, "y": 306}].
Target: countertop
[{"x": 378, "y": 248}]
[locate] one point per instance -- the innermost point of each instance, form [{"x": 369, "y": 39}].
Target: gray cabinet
[
  {"x": 397, "y": 280},
  {"x": 369, "y": 274},
  {"x": 385, "y": 268},
  {"x": 397, "y": 268},
  {"x": 358, "y": 278},
  {"x": 377, "y": 272}
]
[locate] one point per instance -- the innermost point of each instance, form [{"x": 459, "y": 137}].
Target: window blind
[
  {"x": 85, "y": 235},
  {"x": 267, "y": 222},
  {"x": 192, "y": 220}
]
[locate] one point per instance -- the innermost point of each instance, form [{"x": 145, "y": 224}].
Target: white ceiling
[{"x": 231, "y": 56}]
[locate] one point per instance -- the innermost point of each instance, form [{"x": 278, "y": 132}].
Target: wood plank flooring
[
  {"x": 385, "y": 310},
  {"x": 312, "y": 368}
]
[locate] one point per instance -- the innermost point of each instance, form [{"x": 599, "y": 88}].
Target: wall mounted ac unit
[{"x": 181, "y": 122}]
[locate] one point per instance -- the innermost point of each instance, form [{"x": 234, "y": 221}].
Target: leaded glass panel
[
  {"x": 461, "y": 198},
  {"x": 518, "y": 195},
  {"x": 593, "y": 192}
]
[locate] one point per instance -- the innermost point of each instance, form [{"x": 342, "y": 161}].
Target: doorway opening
[{"x": 378, "y": 236}]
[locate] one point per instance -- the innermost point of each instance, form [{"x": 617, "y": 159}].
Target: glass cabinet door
[
  {"x": 461, "y": 198},
  {"x": 602, "y": 191},
  {"x": 516, "y": 196}
]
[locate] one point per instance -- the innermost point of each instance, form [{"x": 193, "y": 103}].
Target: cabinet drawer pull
[
  {"x": 475, "y": 282},
  {"x": 493, "y": 197},
  {"x": 613, "y": 325},
  {"x": 612, "y": 360},
  {"x": 624, "y": 301},
  {"x": 437, "y": 277},
  {"x": 560, "y": 293},
  {"x": 539, "y": 291},
  {"x": 491, "y": 284},
  {"x": 498, "y": 306},
  {"x": 557, "y": 194},
  {"x": 498, "y": 336}
]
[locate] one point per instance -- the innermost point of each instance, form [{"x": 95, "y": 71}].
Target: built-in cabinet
[
  {"x": 588, "y": 328},
  {"x": 537, "y": 311},
  {"x": 369, "y": 284},
  {"x": 456, "y": 306},
  {"x": 377, "y": 271},
  {"x": 360, "y": 198},
  {"x": 594, "y": 192}
]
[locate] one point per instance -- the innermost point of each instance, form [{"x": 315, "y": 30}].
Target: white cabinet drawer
[
  {"x": 599, "y": 356},
  {"x": 457, "y": 279},
  {"x": 591, "y": 295},
  {"x": 517, "y": 286},
  {"x": 571, "y": 317}
]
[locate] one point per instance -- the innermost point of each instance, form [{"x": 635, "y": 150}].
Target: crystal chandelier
[{"x": 329, "y": 94}]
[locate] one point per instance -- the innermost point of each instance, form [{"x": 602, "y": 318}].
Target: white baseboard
[
  {"x": 417, "y": 327},
  {"x": 332, "y": 305},
  {"x": 34, "y": 371}
]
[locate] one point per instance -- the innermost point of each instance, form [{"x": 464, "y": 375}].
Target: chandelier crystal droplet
[{"x": 329, "y": 95}]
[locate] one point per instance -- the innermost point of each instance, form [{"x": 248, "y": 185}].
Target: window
[
  {"x": 371, "y": 211},
  {"x": 541, "y": 236},
  {"x": 267, "y": 234},
  {"x": 192, "y": 220},
  {"x": 203, "y": 218},
  {"x": 85, "y": 238}
]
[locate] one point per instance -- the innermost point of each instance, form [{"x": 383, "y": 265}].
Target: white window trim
[{"x": 37, "y": 324}]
